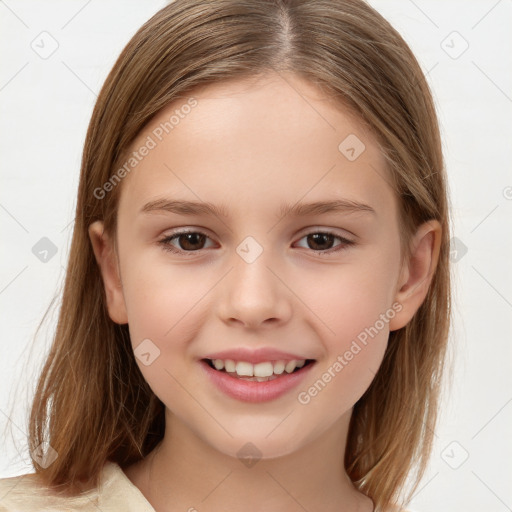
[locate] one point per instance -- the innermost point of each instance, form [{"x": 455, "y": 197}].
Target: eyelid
[
  {"x": 165, "y": 240},
  {"x": 332, "y": 231},
  {"x": 345, "y": 242}
]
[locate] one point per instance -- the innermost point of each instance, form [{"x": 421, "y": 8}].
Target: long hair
[{"x": 92, "y": 403}]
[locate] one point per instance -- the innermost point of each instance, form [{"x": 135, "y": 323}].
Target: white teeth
[
  {"x": 244, "y": 369},
  {"x": 279, "y": 367},
  {"x": 257, "y": 371},
  {"x": 263, "y": 370},
  {"x": 290, "y": 366},
  {"x": 230, "y": 365}
]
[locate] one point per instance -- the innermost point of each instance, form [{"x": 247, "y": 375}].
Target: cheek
[
  {"x": 164, "y": 305},
  {"x": 355, "y": 314},
  {"x": 347, "y": 298},
  {"x": 338, "y": 383},
  {"x": 161, "y": 299},
  {"x": 353, "y": 308}
]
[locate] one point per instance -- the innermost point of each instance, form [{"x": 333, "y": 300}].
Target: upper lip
[{"x": 255, "y": 356}]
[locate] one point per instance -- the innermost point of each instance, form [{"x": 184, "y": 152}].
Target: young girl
[{"x": 256, "y": 306}]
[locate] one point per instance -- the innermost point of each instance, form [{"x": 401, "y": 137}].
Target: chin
[{"x": 256, "y": 444}]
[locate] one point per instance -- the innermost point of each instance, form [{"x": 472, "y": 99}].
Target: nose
[{"x": 254, "y": 295}]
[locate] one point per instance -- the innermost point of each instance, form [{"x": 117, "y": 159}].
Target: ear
[
  {"x": 106, "y": 258},
  {"x": 416, "y": 274}
]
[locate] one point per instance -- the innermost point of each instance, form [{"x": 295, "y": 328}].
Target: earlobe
[
  {"x": 104, "y": 253},
  {"x": 417, "y": 272}
]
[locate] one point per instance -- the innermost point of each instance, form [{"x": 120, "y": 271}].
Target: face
[{"x": 315, "y": 283}]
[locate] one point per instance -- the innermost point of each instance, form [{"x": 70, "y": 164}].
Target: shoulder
[
  {"x": 25, "y": 493},
  {"x": 14, "y": 489}
]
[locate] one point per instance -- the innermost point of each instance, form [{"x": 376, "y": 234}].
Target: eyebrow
[{"x": 297, "y": 210}]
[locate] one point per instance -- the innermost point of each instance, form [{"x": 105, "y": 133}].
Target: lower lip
[{"x": 252, "y": 391}]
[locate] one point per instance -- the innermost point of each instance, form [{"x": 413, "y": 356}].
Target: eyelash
[{"x": 165, "y": 242}]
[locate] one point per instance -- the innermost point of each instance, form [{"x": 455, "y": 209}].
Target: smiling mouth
[{"x": 261, "y": 372}]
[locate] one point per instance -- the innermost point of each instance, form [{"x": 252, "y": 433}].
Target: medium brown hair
[{"x": 92, "y": 403}]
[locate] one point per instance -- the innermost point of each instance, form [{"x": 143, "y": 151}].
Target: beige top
[{"x": 115, "y": 493}]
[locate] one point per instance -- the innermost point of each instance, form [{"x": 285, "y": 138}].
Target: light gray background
[{"x": 46, "y": 101}]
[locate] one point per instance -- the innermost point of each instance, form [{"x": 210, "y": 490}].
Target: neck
[{"x": 185, "y": 473}]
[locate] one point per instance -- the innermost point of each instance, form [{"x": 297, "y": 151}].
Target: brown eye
[
  {"x": 320, "y": 241},
  {"x": 324, "y": 242},
  {"x": 184, "y": 242},
  {"x": 188, "y": 242},
  {"x": 191, "y": 241}
]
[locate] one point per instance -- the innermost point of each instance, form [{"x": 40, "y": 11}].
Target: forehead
[{"x": 273, "y": 137}]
